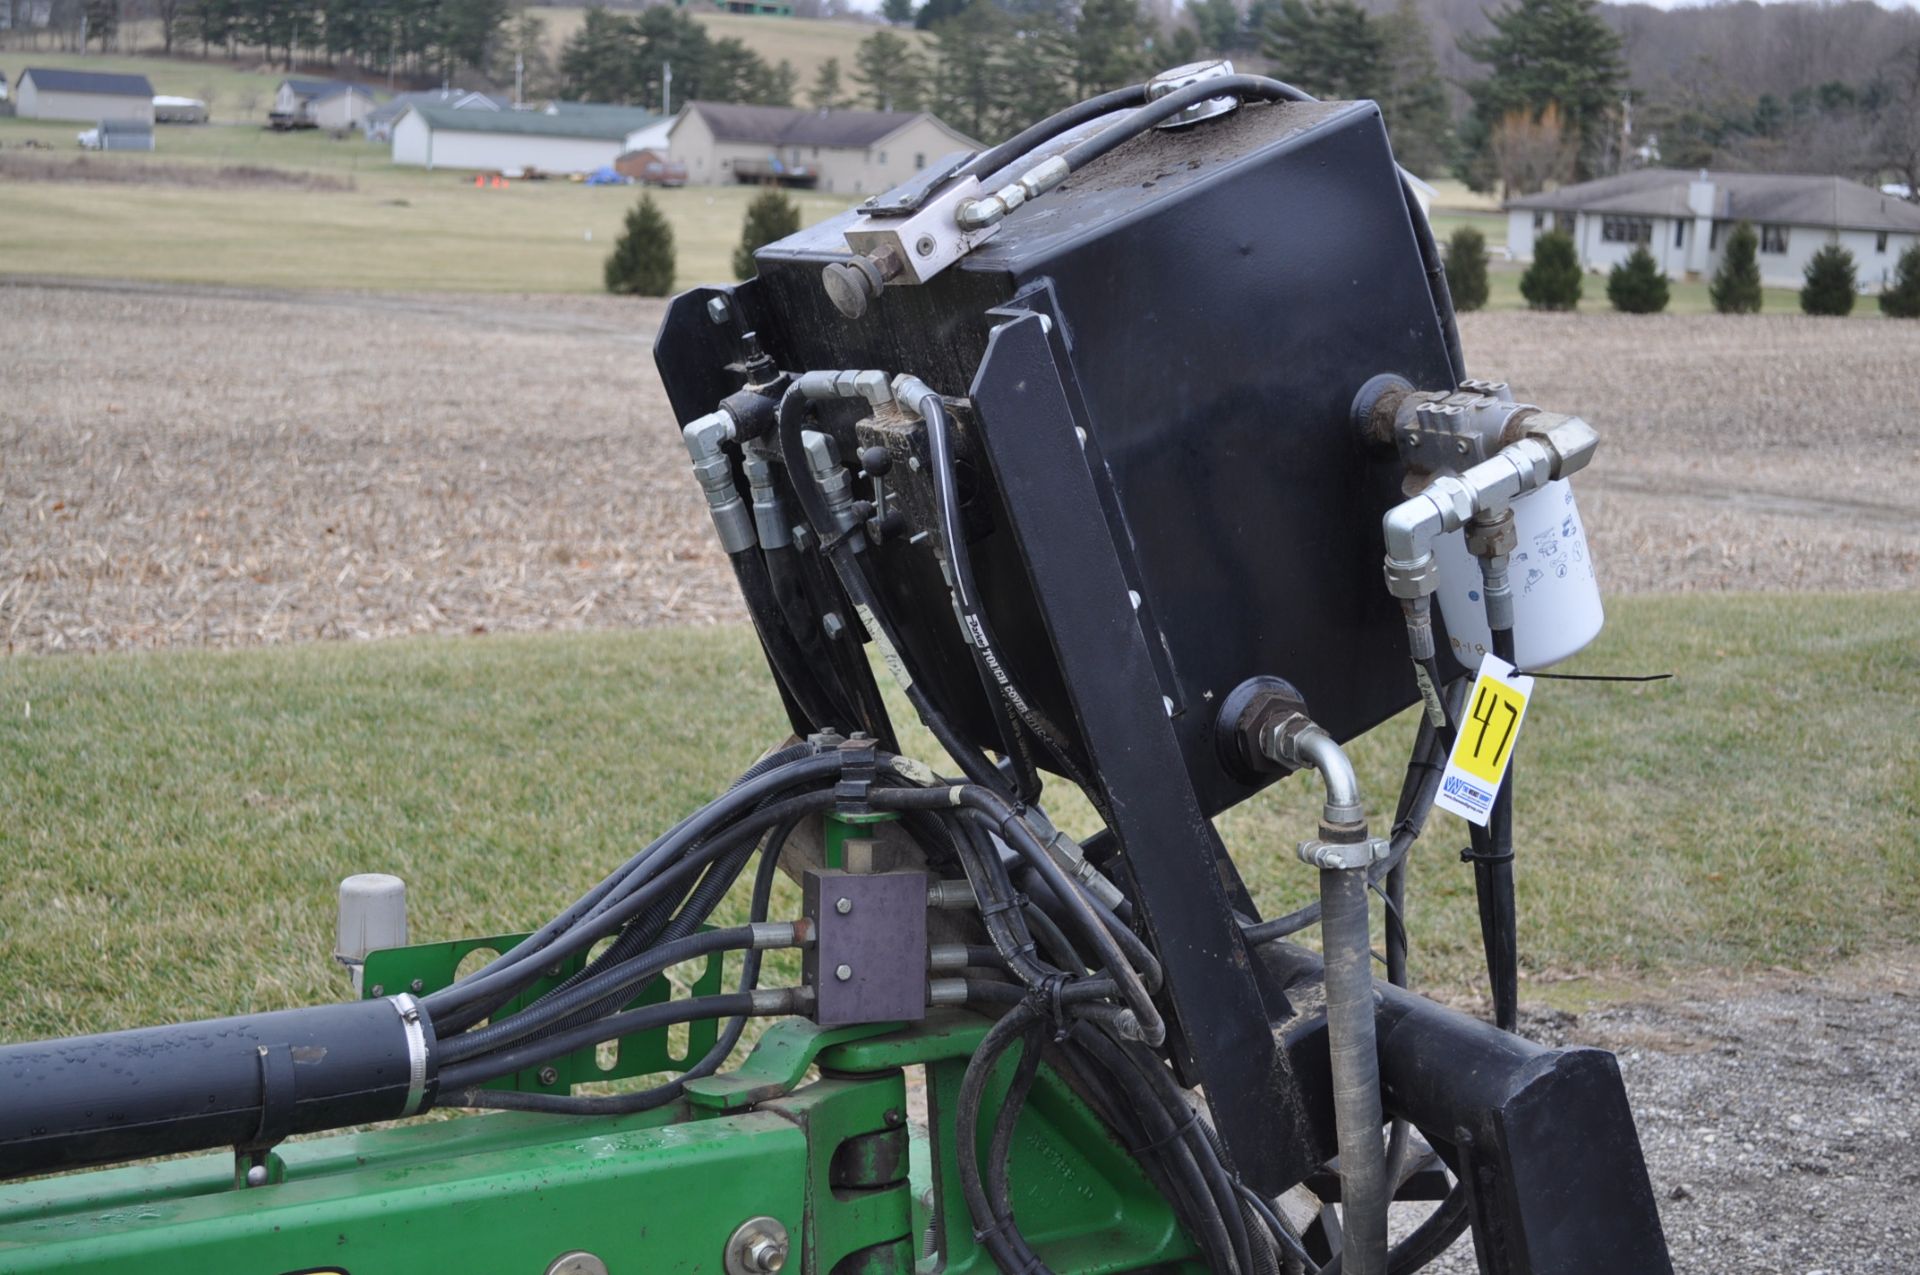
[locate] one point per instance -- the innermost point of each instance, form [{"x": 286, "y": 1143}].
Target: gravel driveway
[{"x": 1780, "y": 1117}]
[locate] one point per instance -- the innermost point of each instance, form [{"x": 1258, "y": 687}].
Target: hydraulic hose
[
  {"x": 1493, "y": 882},
  {"x": 1364, "y": 1192},
  {"x": 505, "y": 1062},
  {"x": 989, "y": 162},
  {"x": 782, "y": 648}
]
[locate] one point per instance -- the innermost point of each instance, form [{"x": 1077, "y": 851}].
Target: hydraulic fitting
[
  {"x": 869, "y": 385},
  {"x": 836, "y": 485},
  {"x": 706, "y": 440},
  {"x": 1297, "y": 741},
  {"x": 769, "y": 514},
  {"x": 978, "y": 214}
]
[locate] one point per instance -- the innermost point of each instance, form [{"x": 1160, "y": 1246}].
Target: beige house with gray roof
[
  {"x": 841, "y": 152},
  {"x": 1684, "y": 217}
]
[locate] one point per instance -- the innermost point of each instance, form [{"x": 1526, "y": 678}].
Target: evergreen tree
[
  {"x": 936, "y": 13},
  {"x": 771, "y": 216},
  {"x": 898, "y": 12},
  {"x": 1467, "y": 268},
  {"x": 1550, "y": 51},
  {"x": 1736, "y": 284},
  {"x": 967, "y": 82},
  {"x": 1330, "y": 48},
  {"x": 1412, "y": 96},
  {"x": 826, "y": 93},
  {"x": 1638, "y": 285},
  {"x": 1902, "y": 299},
  {"x": 1830, "y": 281},
  {"x": 641, "y": 263},
  {"x": 1108, "y": 46},
  {"x": 890, "y": 73},
  {"x": 1035, "y": 75},
  {"x": 1183, "y": 46},
  {"x": 1218, "y": 24},
  {"x": 782, "y": 82},
  {"x": 1552, "y": 282}
]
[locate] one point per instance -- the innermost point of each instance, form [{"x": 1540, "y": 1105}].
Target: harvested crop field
[{"x": 183, "y": 465}]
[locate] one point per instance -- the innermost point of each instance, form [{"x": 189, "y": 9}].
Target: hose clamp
[
  {"x": 1344, "y": 856},
  {"x": 415, "y": 1030}
]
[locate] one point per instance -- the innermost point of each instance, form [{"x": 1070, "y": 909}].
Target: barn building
[
  {"x": 378, "y": 125},
  {"x": 1683, "y": 218},
  {"x": 842, "y": 152},
  {"x": 564, "y": 138},
  {"x": 41, "y": 94}
]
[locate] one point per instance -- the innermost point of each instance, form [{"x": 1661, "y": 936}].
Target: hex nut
[{"x": 758, "y": 1246}]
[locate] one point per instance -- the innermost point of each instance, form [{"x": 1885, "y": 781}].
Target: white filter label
[{"x": 1483, "y": 746}]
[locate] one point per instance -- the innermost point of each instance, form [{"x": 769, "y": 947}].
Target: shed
[
  {"x": 125, "y": 135},
  {"x": 573, "y": 140},
  {"x": 846, "y": 152},
  {"x": 43, "y": 94}
]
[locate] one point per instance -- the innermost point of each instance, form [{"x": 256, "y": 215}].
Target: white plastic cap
[{"x": 373, "y": 915}]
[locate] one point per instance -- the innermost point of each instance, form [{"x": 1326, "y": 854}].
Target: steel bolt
[
  {"x": 843, "y": 973},
  {"x": 417, "y": 986},
  {"x": 924, "y": 245},
  {"x": 832, "y": 625},
  {"x": 379, "y": 989},
  {"x": 758, "y": 1246},
  {"x": 718, "y": 310},
  {"x": 257, "y": 1175},
  {"x": 549, "y": 1075},
  {"x": 843, "y": 906}
]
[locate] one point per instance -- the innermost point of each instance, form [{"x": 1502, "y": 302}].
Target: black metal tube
[{"x": 240, "y": 1082}]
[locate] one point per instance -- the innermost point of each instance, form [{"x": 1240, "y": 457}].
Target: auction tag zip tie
[{"x": 1484, "y": 745}]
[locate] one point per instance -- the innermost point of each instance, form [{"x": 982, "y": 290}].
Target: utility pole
[
  {"x": 666, "y": 88},
  {"x": 519, "y": 79}
]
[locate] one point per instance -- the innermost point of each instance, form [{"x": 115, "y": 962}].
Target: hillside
[{"x": 239, "y": 92}]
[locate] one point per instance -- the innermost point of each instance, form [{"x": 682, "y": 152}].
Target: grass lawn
[
  {"x": 177, "y": 822},
  {"x": 402, "y": 229}
]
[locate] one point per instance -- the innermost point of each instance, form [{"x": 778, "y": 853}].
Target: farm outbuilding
[
  {"x": 1683, "y": 219},
  {"x": 328, "y": 104},
  {"x": 42, "y": 94},
  {"x": 379, "y": 122},
  {"x": 844, "y": 152},
  {"x": 558, "y": 141}
]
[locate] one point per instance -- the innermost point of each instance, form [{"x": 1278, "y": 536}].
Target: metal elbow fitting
[
  {"x": 1298, "y": 742},
  {"x": 976, "y": 214},
  {"x": 706, "y": 440}
]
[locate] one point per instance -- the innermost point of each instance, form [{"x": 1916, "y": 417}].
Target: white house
[
  {"x": 1684, "y": 219},
  {"x": 845, "y": 152},
  {"x": 572, "y": 141},
  {"x": 329, "y": 104},
  {"x": 41, "y": 94}
]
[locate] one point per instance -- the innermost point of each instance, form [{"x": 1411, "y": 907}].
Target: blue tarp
[{"x": 604, "y": 176}]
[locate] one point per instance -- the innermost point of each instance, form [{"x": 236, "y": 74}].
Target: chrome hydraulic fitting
[{"x": 706, "y": 440}]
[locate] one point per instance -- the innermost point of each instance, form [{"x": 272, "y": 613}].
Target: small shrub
[
  {"x": 1901, "y": 300},
  {"x": 1830, "y": 280},
  {"x": 641, "y": 263},
  {"x": 1638, "y": 285},
  {"x": 1736, "y": 284},
  {"x": 1467, "y": 268},
  {"x": 1552, "y": 282},
  {"x": 771, "y": 216}
]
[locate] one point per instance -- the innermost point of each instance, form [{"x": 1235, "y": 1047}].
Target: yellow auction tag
[{"x": 1483, "y": 744}]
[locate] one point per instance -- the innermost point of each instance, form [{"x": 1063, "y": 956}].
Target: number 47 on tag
[{"x": 1483, "y": 746}]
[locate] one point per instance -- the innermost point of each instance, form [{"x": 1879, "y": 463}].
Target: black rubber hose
[
  {"x": 976, "y": 631},
  {"x": 693, "y": 857},
  {"x": 714, "y": 1059},
  {"x": 623, "y": 981},
  {"x": 989, "y": 162},
  {"x": 463, "y": 1004},
  {"x": 1000, "y": 1145},
  {"x": 1084, "y": 152},
  {"x": 788, "y": 662},
  {"x": 1493, "y": 879},
  {"x": 1355, "y": 1064},
  {"x": 647, "y": 1018},
  {"x": 1001, "y": 1242},
  {"x": 992, "y": 809}
]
